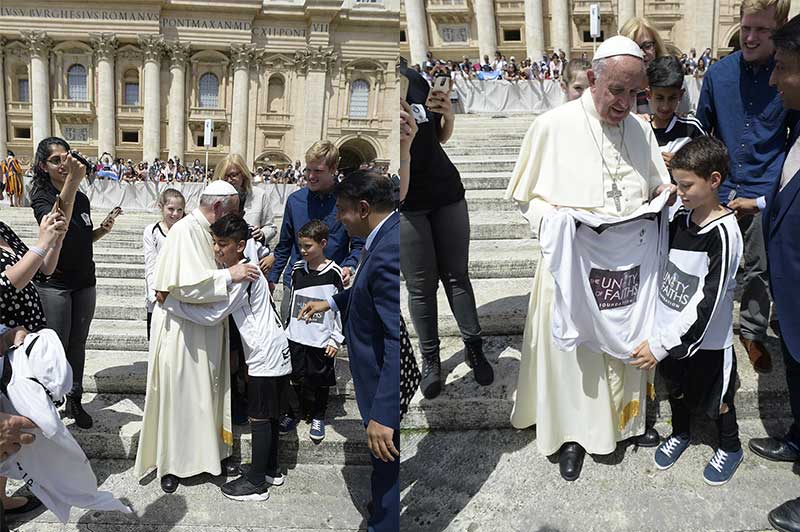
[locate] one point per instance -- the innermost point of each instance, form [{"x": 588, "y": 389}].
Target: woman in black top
[
  {"x": 434, "y": 237},
  {"x": 68, "y": 296}
]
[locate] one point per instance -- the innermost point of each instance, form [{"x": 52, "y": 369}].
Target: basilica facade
[
  {"x": 452, "y": 29},
  {"x": 139, "y": 79}
]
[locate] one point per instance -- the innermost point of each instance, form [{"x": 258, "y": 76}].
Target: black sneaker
[
  {"x": 75, "y": 410},
  {"x": 242, "y": 489},
  {"x": 431, "y": 382},
  {"x": 474, "y": 357}
]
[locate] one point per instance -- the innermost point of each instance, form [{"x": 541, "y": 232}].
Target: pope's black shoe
[
  {"x": 570, "y": 461},
  {"x": 169, "y": 483},
  {"x": 650, "y": 438},
  {"x": 786, "y": 517},
  {"x": 431, "y": 382},
  {"x": 775, "y": 449}
]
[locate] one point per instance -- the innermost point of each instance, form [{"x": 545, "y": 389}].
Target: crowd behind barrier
[
  {"x": 535, "y": 96},
  {"x": 143, "y": 196}
]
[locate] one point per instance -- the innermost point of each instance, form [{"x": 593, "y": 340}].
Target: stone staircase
[
  {"x": 334, "y": 474},
  {"x": 465, "y": 468}
]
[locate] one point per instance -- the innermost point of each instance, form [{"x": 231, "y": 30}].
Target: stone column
[
  {"x": 534, "y": 29},
  {"x": 176, "y": 128},
  {"x": 314, "y": 64},
  {"x": 152, "y": 47},
  {"x": 487, "y": 31},
  {"x": 626, "y": 11},
  {"x": 417, "y": 31},
  {"x": 39, "y": 45},
  {"x": 3, "y": 108},
  {"x": 241, "y": 55},
  {"x": 560, "y": 26},
  {"x": 105, "y": 47}
]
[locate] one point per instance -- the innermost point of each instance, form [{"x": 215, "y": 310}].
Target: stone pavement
[{"x": 465, "y": 469}]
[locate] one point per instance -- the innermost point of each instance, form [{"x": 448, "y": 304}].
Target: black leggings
[
  {"x": 265, "y": 449},
  {"x": 435, "y": 245}
]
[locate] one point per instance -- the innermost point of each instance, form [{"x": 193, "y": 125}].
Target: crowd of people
[
  {"x": 700, "y": 204},
  {"x": 549, "y": 67}
]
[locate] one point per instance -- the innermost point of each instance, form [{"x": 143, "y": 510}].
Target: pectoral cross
[{"x": 615, "y": 193}]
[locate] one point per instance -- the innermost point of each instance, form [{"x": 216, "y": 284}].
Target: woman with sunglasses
[{"x": 68, "y": 295}]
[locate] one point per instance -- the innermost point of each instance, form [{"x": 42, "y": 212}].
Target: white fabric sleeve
[
  {"x": 208, "y": 314},
  {"x": 337, "y": 337},
  {"x": 332, "y": 304},
  {"x": 534, "y": 212},
  {"x": 220, "y": 279},
  {"x": 150, "y": 255},
  {"x": 761, "y": 203}
]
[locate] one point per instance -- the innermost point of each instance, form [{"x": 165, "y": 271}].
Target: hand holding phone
[{"x": 108, "y": 223}]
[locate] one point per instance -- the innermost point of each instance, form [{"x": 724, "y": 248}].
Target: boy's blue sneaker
[
  {"x": 721, "y": 467},
  {"x": 317, "y": 432},
  {"x": 287, "y": 424},
  {"x": 669, "y": 451}
]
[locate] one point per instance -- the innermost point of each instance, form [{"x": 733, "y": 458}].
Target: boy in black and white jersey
[
  {"x": 313, "y": 344},
  {"x": 665, "y": 77},
  {"x": 693, "y": 340}
]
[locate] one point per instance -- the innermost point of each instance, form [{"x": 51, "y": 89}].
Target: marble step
[
  {"x": 502, "y": 306},
  {"x": 485, "y": 225},
  {"x": 488, "y": 200},
  {"x": 486, "y": 166},
  {"x": 338, "y": 493},
  {"x": 491, "y": 180},
  {"x": 117, "y": 423},
  {"x": 508, "y": 151},
  {"x": 125, "y": 372},
  {"x": 503, "y": 259},
  {"x": 464, "y": 404}
]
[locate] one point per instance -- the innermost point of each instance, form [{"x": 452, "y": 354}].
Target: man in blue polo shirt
[
  {"x": 314, "y": 202},
  {"x": 738, "y": 106}
]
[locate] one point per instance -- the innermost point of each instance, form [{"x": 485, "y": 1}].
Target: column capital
[
  {"x": 242, "y": 55},
  {"x": 152, "y": 45},
  {"x": 315, "y": 59},
  {"x": 178, "y": 53},
  {"x": 104, "y": 45},
  {"x": 38, "y": 42}
]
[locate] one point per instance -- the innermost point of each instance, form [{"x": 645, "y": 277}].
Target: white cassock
[
  {"x": 579, "y": 396},
  {"x": 186, "y": 429}
]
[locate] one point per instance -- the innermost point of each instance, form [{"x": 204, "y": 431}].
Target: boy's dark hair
[
  {"x": 665, "y": 73},
  {"x": 231, "y": 226},
  {"x": 702, "y": 156},
  {"x": 787, "y": 37},
  {"x": 369, "y": 186},
  {"x": 316, "y": 230}
]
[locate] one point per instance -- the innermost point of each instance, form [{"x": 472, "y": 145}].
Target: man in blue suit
[
  {"x": 781, "y": 224},
  {"x": 370, "y": 311}
]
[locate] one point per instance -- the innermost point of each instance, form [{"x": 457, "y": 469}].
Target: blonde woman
[
  {"x": 257, "y": 210},
  {"x": 642, "y": 31}
]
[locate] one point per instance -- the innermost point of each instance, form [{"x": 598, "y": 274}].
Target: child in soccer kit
[
  {"x": 172, "y": 205},
  {"x": 665, "y": 80},
  {"x": 266, "y": 352},
  {"x": 313, "y": 344},
  {"x": 693, "y": 341}
]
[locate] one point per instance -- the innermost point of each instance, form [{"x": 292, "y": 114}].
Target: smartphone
[
  {"x": 116, "y": 211},
  {"x": 441, "y": 84},
  {"x": 403, "y": 87},
  {"x": 57, "y": 204}
]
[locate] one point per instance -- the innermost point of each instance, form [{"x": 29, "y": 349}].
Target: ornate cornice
[
  {"x": 275, "y": 61},
  {"x": 38, "y": 42},
  {"x": 315, "y": 59},
  {"x": 242, "y": 55},
  {"x": 178, "y": 53},
  {"x": 104, "y": 45},
  {"x": 152, "y": 46}
]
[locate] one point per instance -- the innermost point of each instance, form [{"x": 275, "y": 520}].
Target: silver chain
[{"x": 599, "y": 146}]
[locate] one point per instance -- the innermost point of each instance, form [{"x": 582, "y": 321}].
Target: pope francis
[
  {"x": 589, "y": 154},
  {"x": 186, "y": 429}
]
